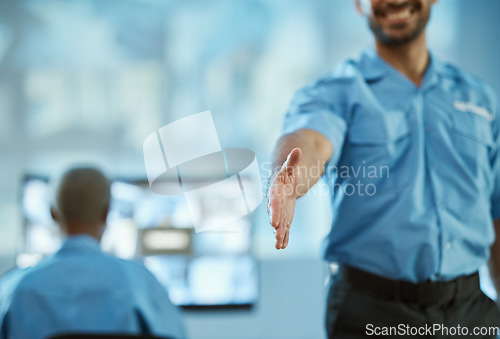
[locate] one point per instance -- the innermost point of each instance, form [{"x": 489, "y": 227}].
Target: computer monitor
[{"x": 211, "y": 269}]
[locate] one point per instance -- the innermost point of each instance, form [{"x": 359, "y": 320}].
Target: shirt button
[{"x": 447, "y": 245}]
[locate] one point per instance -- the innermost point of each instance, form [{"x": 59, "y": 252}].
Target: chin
[
  {"x": 398, "y": 33},
  {"x": 400, "y": 38},
  {"x": 397, "y": 37}
]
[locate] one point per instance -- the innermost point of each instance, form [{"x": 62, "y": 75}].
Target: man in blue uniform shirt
[
  {"x": 409, "y": 146},
  {"x": 81, "y": 289}
]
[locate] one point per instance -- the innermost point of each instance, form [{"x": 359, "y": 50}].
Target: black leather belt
[{"x": 426, "y": 293}]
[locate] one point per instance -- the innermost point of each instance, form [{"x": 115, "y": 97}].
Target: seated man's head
[{"x": 81, "y": 202}]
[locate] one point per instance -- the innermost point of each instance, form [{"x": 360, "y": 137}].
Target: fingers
[
  {"x": 287, "y": 237},
  {"x": 282, "y": 236},
  {"x": 274, "y": 212}
]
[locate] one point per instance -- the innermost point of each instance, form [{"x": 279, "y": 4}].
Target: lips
[
  {"x": 404, "y": 14},
  {"x": 397, "y": 14}
]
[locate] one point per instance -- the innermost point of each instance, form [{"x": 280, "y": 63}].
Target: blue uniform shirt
[
  {"x": 415, "y": 174},
  {"x": 81, "y": 289}
]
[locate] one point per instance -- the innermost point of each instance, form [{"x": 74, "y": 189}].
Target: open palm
[{"x": 282, "y": 196}]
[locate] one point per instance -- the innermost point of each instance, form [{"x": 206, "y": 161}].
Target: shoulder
[
  {"x": 137, "y": 272},
  {"x": 22, "y": 278},
  {"x": 466, "y": 88},
  {"x": 468, "y": 81},
  {"x": 77, "y": 274},
  {"x": 10, "y": 281},
  {"x": 70, "y": 270},
  {"x": 344, "y": 72},
  {"x": 470, "y": 93},
  {"x": 133, "y": 266},
  {"x": 10, "y": 285},
  {"x": 330, "y": 88},
  {"x": 453, "y": 71}
]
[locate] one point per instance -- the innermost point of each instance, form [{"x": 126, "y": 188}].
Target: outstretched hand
[{"x": 282, "y": 195}]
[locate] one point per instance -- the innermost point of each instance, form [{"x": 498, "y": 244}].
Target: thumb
[{"x": 293, "y": 158}]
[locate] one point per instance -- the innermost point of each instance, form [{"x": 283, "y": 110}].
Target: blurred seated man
[{"x": 81, "y": 289}]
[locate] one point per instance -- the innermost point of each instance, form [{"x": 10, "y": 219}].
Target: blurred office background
[{"x": 89, "y": 80}]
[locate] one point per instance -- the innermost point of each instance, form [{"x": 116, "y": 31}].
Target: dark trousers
[{"x": 354, "y": 313}]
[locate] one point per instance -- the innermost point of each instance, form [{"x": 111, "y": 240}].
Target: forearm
[
  {"x": 494, "y": 262},
  {"x": 316, "y": 151}
]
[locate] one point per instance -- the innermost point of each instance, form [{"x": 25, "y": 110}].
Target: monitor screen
[{"x": 207, "y": 269}]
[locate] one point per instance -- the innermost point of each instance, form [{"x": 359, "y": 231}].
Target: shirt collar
[
  {"x": 80, "y": 242},
  {"x": 373, "y": 67},
  {"x": 441, "y": 68}
]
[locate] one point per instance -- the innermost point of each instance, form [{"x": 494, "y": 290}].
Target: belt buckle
[{"x": 333, "y": 267}]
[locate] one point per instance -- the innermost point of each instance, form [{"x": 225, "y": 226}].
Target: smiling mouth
[{"x": 398, "y": 14}]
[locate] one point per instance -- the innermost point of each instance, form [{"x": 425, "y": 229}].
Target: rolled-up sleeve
[{"x": 313, "y": 107}]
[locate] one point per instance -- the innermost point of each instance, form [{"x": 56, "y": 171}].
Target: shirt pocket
[
  {"x": 378, "y": 142},
  {"x": 473, "y": 140}
]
